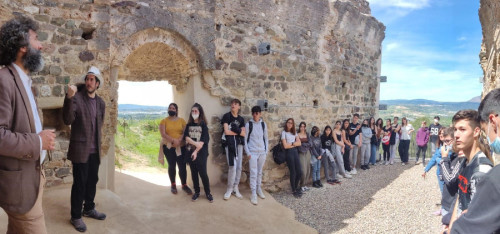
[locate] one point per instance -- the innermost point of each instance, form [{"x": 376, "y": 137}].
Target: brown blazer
[
  {"x": 19, "y": 146},
  {"x": 76, "y": 112}
]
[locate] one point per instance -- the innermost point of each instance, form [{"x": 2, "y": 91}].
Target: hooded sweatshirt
[
  {"x": 367, "y": 134},
  {"x": 258, "y": 143},
  {"x": 422, "y": 136}
]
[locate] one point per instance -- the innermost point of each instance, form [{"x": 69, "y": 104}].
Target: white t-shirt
[
  {"x": 405, "y": 130},
  {"x": 288, "y": 136}
]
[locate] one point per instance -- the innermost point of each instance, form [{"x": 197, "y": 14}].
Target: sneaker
[
  {"x": 296, "y": 194},
  {"x": 186, "y": 189},
  {"x": 306, "y": 188},
  {"x": 330, "y": 182},
  {"x": 382, "y": 163},
  {"x": 227, "y": 195},
  {"x": 403, "y": 163},
  {"x": 363, "y": 167},
  {"x": 173, "y": 189},
  {"x": 336, "y": 182},
  {"x": 391, "y": 163},
  {"x": 253, "y": 199},
  {"x": 354, "y": 172},
  {"x": 347, "y": 172},
  {"x": 315, "y": 184},
  {"x": 94, "y": 214},
  {"x": 320, "y": 184},
  {"x": 261, "y": 194},
  {"x": 78, "y": 224},
  {"x": 367, "y": 167},
  {"x": 195, "y": 197},
  {"x": 237, "y": 193},
  {"x": 210, "y": 198},
  {"x": 417, "y": 162},
  {"x": 348, "y": 176}
]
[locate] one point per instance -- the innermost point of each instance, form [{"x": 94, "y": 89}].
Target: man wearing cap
[
  {"x": 434, "y": 133},
  {"x": 23, "y": 143},
  {"x": 84, "y": 110}
]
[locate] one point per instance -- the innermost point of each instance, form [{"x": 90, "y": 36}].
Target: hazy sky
[
  {"x": 431, "y": 49},
  {"x": 153, "y": 93}
]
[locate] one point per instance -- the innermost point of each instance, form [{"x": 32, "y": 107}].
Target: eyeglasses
[{"x": 447, "y": 141}]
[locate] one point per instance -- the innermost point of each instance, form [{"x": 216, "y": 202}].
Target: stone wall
[
  {"x": 489, "y": 15},
  {"x": 323, "y": 66}
]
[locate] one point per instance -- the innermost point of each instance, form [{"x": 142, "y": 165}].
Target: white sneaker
[
  {"x": 347, "y": 172},
  {"x": 382, "y": 163},
  {"x": 253, "y": 199},
  {"x": 391, "y": 163},
  {"x": 339, "y": 176},
  {"x": 403, "y": 164},
  {"x": 306, "y": 188},
  {"x": 227, "y": 195},
  {"x": 237, "y": 193},
  {"x": 261, "y": 194},
  {"x": 348, "y": 176},
  {"x": 354, "y": 172},
  {"x": 386, "y": 163}
]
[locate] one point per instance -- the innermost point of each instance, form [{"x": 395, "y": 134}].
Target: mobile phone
[{"x": 448, "y": 147}]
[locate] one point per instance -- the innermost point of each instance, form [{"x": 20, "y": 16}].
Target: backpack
[
  {"x": 250, "y": 128},
  {"x": 279, "y": 154},
  {"x": 386, "y": 139}
]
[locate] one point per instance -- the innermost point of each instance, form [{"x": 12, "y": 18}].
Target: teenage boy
[
  {"x": 477, "y": 164},
  {"x": 234, "y": 133},
  {"x": 483, "y": 214},
  {"x": 256, "y": 146},
  {"x": 434, "y": 133},
  {"x": 356, "y": 139}
]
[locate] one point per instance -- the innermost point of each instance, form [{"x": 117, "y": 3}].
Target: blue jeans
[
  {"x": 316, "y": 167},
  {"x": 373, "y": 157}
]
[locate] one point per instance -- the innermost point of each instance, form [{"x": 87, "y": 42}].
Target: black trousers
[
  {"x": 347, "y": 162},
  {"x": 172, "y": 159},
  {"x": 387, "y": 152},
  {"x": 84, "y": 185},
  {"x": 293, "y": 162},
  {"x": 404, "y": 147},
  {"x": 199, "y": 169},
  {"x": 422, "y": 149}
]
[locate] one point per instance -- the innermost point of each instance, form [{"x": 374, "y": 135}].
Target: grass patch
[{"x": 140, "y": 137}]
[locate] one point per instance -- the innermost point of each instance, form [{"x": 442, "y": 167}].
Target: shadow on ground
[
  {"x": 325, "y": 209},
  {"x": 141, "y": 207}
]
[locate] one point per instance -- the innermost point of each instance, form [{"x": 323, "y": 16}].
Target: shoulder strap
[
  {"x": 263, "y": 137},
  {"x": 250, "y": 128}
]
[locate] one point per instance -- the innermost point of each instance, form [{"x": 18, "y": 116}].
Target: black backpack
[
  {"x": 250, "y": 128},
  {"x": 279, "y": 154}
]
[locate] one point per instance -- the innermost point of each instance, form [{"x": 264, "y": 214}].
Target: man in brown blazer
[
  {"x": 23, "y": 144},
  {"x": 84, "y": 110}
]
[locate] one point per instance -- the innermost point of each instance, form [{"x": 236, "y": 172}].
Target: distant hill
[
  {"x": 134, "y": 107},
  {"x": 422, "y": 108},
  {"x": 475, "y": 99}
]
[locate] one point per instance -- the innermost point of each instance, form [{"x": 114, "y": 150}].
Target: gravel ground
[{"x": 384, "y": 199}]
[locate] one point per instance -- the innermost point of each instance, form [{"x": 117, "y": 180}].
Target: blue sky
[{"x": 431, "y": 49}]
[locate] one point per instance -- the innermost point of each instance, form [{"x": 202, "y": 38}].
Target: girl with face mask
[
  {"x": 171, "y": 130},
  {"x": 197, "y": 139}
]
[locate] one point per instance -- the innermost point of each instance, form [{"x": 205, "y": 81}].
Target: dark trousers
[
  {"x": 347, "y": 163},
  {"x": 387, "y": 152},
  {"x": 404, "y": 146},
  {"x": 293, "y": 163},
  {"x": 422, "y": 149},
  {"x": 84, "y": 185},
  {"x": 172, "y": 159},
  {"x": 199, "y": 169}
]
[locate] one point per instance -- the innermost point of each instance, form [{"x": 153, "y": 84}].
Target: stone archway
[{"x": 147, "y": 55}]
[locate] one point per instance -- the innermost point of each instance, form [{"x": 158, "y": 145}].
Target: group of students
[
  {"x": 187, "y": 143},
  {"x": 469, "y": 184}
]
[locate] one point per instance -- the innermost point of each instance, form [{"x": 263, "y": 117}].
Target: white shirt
[
  {"x": 405, "y": 130},
  {"x": 38, "y": 123}
]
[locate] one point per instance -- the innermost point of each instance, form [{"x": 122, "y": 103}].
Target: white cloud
[
  {"x": 406, "y": 4},
  {"x": 462, "y": 38},
  {"x": 392, "y": 46},
  {"x": 153, "y": 93}
]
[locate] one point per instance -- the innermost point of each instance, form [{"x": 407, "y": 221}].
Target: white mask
[
  {"x": 195, "y": 116},
  {"x": 436, "y": 120}
]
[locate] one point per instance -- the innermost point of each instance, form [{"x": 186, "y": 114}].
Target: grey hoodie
[
  {"x": 367, "y": 134},
  {"x": 259, "y": 142}
]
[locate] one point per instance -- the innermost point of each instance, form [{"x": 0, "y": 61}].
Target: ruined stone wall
[
  {"x": 323, "y": 65},
  {"x": 489, "y": 15}
]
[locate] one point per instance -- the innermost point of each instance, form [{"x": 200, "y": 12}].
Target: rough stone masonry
[{"x": 323, "y": 65}]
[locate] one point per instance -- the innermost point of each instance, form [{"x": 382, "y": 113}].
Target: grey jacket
[{"x": 367, "y": 134}]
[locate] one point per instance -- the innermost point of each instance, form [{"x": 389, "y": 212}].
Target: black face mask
[
  {"x": 172, "y": 113},
  {"x": 365, "y": 125}
]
